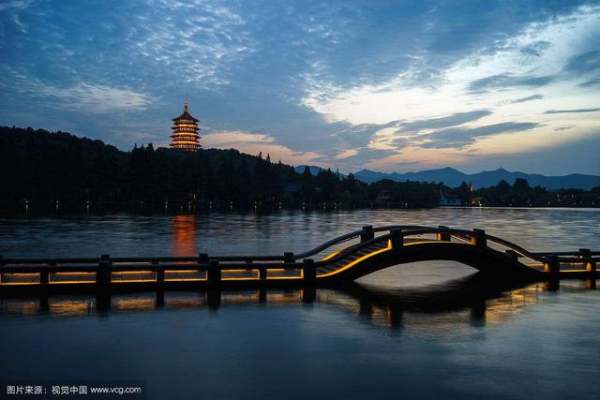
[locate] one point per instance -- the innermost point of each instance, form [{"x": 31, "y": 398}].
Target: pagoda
[{"x": 185, "y": 131}]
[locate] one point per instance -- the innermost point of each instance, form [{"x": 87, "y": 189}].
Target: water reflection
[
  {"x": 138, "y": 235},
  {"x": 470, "y": 301},
  {"x": 183, "y": 233}
]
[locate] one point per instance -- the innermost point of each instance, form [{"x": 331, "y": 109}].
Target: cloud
[
  {"x": 97, "y": 98},
  {"x": 528, "y": 98},
  {"x": 444, "y": 122},
  {"x": 584, "y": 62},
  {"x": 231, "y": 139},
  {"x": 563, "y": 128},
  {"x": 576, "y": 110},
  {"x": 590, "y": 83},
  {"x": 363, "y": 157},
  {"x": 15, "y": 4},
  {"x": 460, "y": 137},
  {"x": 536, "y": 48},
  {"x": 384, "y": 139},
  {"x": 507, "y": 81},
  {"x": 398, "y": 134},
  {"x": 341, "y": 155},
  {"x": 586, "y": 65},
  {"x": 86, "y": 97},
  {"x": 467, "y": 81},
  {"x": 396, "y": 109},
  {"x": 13, "y": 10},
  {"x": 94, "y": 98},
  {"x": 255, "y": 143},
  {"x": 198, "y": 43}
]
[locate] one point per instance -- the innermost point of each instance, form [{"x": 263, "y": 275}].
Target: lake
[{"x": 426, "y": 330}]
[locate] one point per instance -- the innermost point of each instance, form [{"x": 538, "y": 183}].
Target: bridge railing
[
  {"x": 287, "y": 258},
  {"x": 353, "y": 235},
  {"x": 204, "y": 264},
  {"x": 407, "y": 230},
  {"x": 476, "y": 236}
]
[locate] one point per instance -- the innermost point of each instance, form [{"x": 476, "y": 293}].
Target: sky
[{"x": 383, "y": 85}]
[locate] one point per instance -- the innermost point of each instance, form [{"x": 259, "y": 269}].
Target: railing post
[
  {"x": 213, "y": 273},
  {"x": 591, "y": 267},
  {"x": 309, "y": 271},
  {"x": 288, "y": 257},
  {"x": 442, "y": 236},
  {"x": 479, "y": 238},
  {"x": 590, "y": 264},
  {"x": 45, "y": 275},
  {"x": 262, "y": 270},
  {"x": 103, "y": 274},
  {"x": 397, "y": 239},
  {"x": 367, "y": 233},
  {"x": 203, "y": 260},
  {"x": 262, "y": 273},
  {"x": 552, "y": 266},
  {"x": 160, "y": 272}
]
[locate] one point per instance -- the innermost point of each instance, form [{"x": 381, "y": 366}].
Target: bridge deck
[{"x": 342, "y": 259}]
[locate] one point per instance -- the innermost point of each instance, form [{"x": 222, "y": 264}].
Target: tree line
[
  {"x": 48, "y": 171},
  {"x": 521, "y": 194}
]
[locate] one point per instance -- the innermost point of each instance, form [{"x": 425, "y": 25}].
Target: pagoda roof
[{"x": 185, "y": 115}]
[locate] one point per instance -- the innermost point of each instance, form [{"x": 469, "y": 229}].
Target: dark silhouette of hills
[{"x": 453, "y": 177}]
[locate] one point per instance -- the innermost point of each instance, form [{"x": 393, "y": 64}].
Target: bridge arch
[
  {"x": 485, "y": 260},
  {"x": 406, "y": 245}
]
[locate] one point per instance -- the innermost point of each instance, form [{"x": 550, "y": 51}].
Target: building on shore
[
  {"x": 448, "y": 199},
  {"x": 185, "y": 132}
]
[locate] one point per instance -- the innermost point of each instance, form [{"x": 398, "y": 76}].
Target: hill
[{"x": 453, "y": 177}]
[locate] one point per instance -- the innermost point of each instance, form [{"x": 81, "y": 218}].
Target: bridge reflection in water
[{"x": 468, "y": 301}]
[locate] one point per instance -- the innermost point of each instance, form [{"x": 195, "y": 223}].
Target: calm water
[{"x": 417, "y": 331}]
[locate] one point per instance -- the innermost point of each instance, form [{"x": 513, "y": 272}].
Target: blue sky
[{"x": 384, "y": 85}]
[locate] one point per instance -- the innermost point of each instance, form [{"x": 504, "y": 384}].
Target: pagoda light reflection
[{"x": 183, "y": 229}]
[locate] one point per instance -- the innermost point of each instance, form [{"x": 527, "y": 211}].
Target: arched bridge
[{"x": 342, "y": 259}]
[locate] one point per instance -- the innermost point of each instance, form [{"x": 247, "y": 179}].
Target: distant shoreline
[{"x": 279, "y": 211}]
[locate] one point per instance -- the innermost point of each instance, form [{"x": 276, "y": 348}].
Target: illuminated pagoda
[{"x": 185, "y": 132}]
